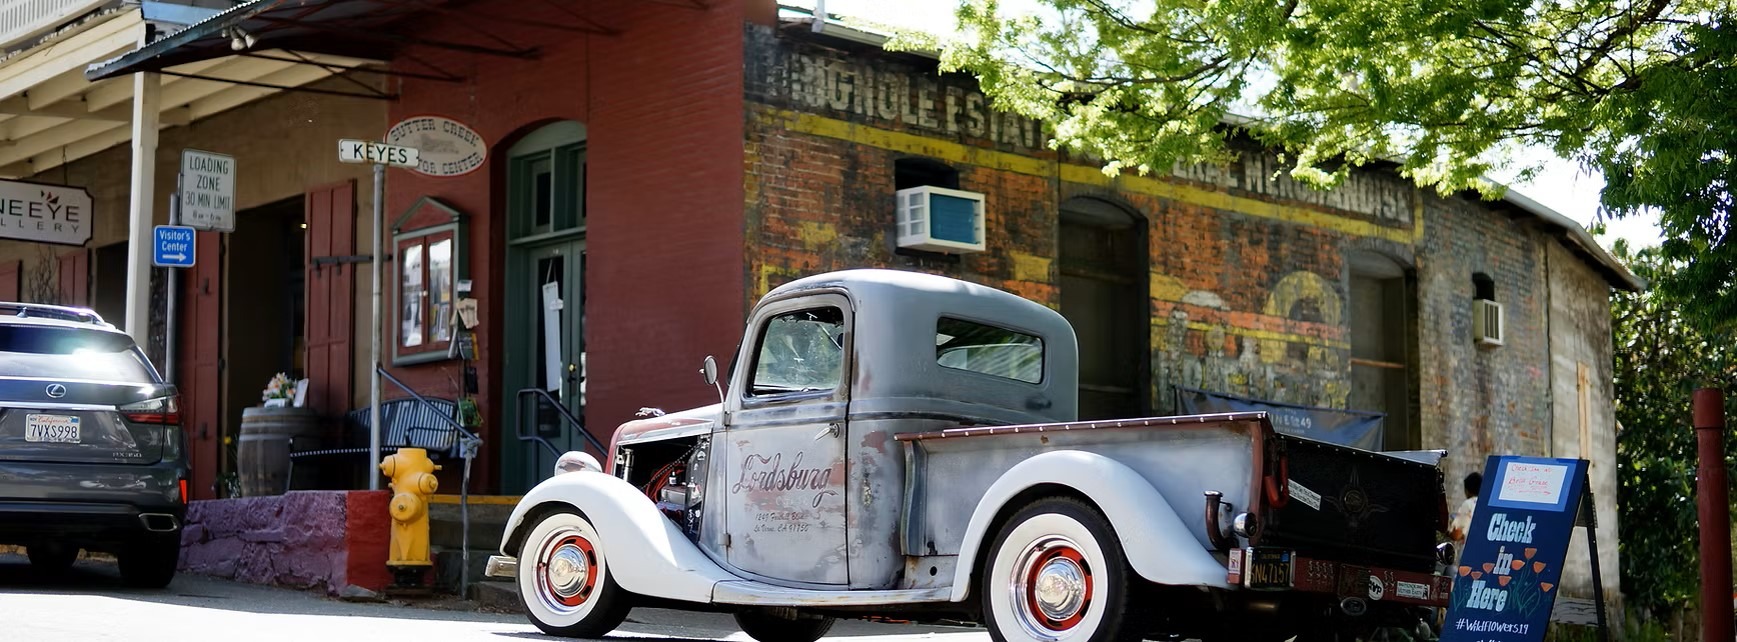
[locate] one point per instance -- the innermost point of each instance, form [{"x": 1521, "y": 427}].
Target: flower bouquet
[{"x": 278, "y": 391}]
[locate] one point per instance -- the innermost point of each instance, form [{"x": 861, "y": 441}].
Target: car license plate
[
  {"x": 54, "y": 429},
  {"x": 1267, "y": 569}
]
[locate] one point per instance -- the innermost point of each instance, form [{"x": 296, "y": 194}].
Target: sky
[{"x": 1562, "y": 185}]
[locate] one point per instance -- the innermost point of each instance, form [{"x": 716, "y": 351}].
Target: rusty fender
[
  {"x": 644, "y": 551},
  {"x": 1159, "y": 546}
]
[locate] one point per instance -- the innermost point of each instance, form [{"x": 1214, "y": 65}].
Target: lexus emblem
[{"x": 56, "y": 391}]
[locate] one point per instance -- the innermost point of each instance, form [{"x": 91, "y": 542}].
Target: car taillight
[
  {"x": 183, "y": 491},
  {"x": 164, "y": 410}
]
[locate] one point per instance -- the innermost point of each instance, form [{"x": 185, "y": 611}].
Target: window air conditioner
[
  {"x": 937, "y": 219},
  {"x": 1487, "y": 322}
]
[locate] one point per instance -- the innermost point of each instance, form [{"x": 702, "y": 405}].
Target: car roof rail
[{"x": 45, "y": 311}]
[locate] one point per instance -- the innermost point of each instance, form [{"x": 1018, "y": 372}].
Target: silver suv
[{"x": 91, "y": 451}]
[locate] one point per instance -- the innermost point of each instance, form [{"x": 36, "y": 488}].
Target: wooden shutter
[
  {"x": 200, "y": 377},
  {"x": 10, "y": 275},
  {"x": 331, "y": 286},
  {"x": 75, "y": 278}
]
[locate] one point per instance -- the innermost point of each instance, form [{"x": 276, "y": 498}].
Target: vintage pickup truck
[{"x": 904, "y": 445}]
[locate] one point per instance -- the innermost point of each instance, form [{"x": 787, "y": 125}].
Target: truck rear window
[
  {"x": 968, "y": 345},
  {"x": 70, "y": 353}
]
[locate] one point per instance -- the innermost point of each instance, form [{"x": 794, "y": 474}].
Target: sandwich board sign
[
  {"x": 207, "y": 191},
  {"x": 173, "y": 246},
  {"x": 1505, "y": 585}
]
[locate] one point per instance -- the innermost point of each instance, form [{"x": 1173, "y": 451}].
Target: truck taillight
[{"x": 163, "y": 410}]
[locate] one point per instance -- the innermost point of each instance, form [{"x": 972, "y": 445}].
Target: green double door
[{"x": 546, "y": 354}]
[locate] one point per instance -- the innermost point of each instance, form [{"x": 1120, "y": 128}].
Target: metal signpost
[{"x": 380, "y": 155}]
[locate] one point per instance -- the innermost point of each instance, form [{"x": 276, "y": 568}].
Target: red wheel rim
[
  {"x": 1056, "y": 586},
  {"x": 568, "y": 569}
]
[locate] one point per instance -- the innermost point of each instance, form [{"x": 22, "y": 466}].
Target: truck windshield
[{"x": 800, "y": 352}]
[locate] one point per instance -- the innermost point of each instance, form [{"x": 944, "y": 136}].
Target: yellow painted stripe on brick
[
  {"x": 1265, "y": 335},
  {"x": 957, "y": 153},
  {"x": 911, "y": 143},
  {"x": 493, "y": 500}
]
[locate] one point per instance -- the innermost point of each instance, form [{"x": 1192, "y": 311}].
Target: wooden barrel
[{"x": 262, "y": 453}]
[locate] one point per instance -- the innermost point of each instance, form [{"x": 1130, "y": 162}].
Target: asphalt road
[{"x": 90, "y": 603}]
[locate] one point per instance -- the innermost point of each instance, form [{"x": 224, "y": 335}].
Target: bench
[{"x": 409, "y": 424}]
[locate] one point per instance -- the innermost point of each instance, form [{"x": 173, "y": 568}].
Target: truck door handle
[{"x": 830, "y": 429}]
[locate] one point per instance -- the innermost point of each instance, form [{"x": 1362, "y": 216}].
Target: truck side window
[
  {"x": 800, "y": 352},
  {"x": 966, "y": 345}
]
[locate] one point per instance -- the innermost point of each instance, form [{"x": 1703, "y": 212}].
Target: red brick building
[{"x": 619, "y": 182}]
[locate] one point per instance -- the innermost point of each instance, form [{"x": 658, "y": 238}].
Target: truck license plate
[
  {"x": 1267, "y": 569},
  {"x": 54, "y": 429}
]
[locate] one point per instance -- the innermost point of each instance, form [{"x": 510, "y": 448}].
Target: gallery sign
[
  {"x": 44, "y": 213},
  {"x": 448, "y": 147},
  {"x": 1505, "y": 585}
]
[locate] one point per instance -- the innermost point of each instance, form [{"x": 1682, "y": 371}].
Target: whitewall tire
[
  {"x": 564, "y": 579},
  {"x": 1056, "y": 572}
]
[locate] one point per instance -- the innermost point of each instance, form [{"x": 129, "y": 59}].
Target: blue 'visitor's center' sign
[
  {"x": 172, "y": 246},
  {"x": 1506, "y": 583}
]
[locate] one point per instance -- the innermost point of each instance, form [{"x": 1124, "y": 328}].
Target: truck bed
[{"x": 1330, "y": 501}]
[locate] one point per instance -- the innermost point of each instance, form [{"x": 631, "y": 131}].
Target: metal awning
[
  {"x": 51, "y": 114},
  {"x": 377, "y": 30}
]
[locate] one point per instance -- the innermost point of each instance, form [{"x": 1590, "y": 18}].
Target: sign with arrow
[{"x": 173, "y": 246}]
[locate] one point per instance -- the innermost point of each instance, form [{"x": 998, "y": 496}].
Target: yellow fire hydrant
[{"x": 413, "y": 481}]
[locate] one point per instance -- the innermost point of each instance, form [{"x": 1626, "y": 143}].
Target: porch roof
[
  {"x": 52, "y": 114},
  {"x": 375, "y": 30}
]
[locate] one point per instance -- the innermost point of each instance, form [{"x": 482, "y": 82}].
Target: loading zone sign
[
  {"x": 173, "y": 246},
  {"x": 208, "y": 190}
]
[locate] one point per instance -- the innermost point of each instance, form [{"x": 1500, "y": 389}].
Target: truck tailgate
[{"x": 1353, "y": 505}]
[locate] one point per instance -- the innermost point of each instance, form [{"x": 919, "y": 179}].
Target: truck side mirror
[{"x": 710, "y": 370}]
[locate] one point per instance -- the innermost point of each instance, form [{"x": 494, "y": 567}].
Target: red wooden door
[
  {"x": 75, "y": 278},
  {"x": 200, "y": 380},
  {"x": 10, "y": 273},
  {"x": 331, "y": 284}
]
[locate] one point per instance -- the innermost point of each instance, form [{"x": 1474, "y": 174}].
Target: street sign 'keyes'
[
  {"x": 362, "y": 151},
  {"x": 173, "y": 246},
  {"x": 207, "y": 190}
]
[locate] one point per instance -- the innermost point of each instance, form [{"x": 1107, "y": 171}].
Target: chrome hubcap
[
  {"x": 1061, "y": 589},
  {"x": 568, "y": 570},
  {"x": 1052, "y": 588}
]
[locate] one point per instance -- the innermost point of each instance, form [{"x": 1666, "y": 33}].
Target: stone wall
[
  {"x": 303, "y": 539},
  {"x": 1584, "y": 422}
]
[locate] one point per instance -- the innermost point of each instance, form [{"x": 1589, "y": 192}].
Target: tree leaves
[
  {"x": 1660, "y": 360},
  {"x": 1639, "y": 89}
]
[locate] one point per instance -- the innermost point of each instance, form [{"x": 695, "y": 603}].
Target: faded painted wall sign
[
  {"x": 881, "y": 91},
  {"x": 448, "y": 147},
  {"x": 44, "y": 213}
]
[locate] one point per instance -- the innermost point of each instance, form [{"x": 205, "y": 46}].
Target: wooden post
[{"x": 147, "y": 88}]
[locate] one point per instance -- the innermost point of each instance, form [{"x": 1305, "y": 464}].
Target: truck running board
[{"x": 762, "y": 594}]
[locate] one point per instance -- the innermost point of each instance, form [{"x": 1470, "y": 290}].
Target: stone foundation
[{"x": 303, "y": 539}]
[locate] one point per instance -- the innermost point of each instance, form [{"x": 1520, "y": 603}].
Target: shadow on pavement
[
  {"x": 101, "y": 578},
  {"x": 95, "y": 577}
]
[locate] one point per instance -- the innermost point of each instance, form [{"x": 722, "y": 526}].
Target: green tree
[
  {"x": 1641, "y": 90},
  {"x": 1660, "y": 359}
]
